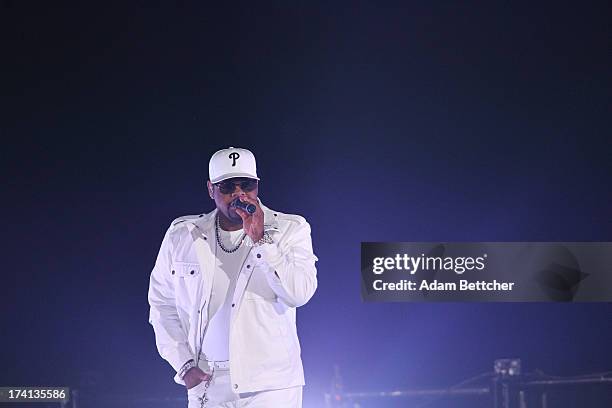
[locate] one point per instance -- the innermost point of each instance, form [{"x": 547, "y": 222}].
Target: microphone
[{"x": 250, "y": 208}]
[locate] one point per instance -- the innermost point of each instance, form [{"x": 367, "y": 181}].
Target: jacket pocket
[
  {"x": 268, "y": 314},
  {"x": 186, "y": 269},
  {"x": 258, "y": 287},
  {"x": 187, "y": 279}
]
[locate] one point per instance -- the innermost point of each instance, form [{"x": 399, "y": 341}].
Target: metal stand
[
  {"x": 72, "y": 402},
  {"x": 509, "y": 388}
]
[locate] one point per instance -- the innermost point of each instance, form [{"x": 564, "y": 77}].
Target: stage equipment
[{"x": 508, "y": 387}]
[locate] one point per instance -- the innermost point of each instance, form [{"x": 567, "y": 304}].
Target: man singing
[{"x": 224, "y": 292}]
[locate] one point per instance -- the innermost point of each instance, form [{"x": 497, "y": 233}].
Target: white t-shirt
[{"x": 215, "y": 345}]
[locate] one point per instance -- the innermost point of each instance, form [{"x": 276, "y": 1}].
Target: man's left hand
[{"x": 253, "y": 225}]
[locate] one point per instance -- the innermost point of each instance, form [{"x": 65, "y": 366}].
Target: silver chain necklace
[{"x": 229, "y": 251}]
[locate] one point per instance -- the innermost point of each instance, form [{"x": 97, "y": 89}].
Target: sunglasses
[{"x": 228, "y": 186}]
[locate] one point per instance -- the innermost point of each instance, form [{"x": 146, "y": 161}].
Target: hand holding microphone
[
  {"x": 243, "y": 205},
  {"x": 252, "y": 216}
]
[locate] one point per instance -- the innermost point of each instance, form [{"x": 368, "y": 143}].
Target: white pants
[{"x": 219, "y": 394}]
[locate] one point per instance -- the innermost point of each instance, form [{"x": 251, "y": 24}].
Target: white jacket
[{"x": 274, "y": 280}]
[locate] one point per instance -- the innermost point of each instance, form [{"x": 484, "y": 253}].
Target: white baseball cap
[{"x": 232, "y": 162}]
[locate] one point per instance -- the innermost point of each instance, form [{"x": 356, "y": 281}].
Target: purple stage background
[{"x": 418, "y": 122}]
